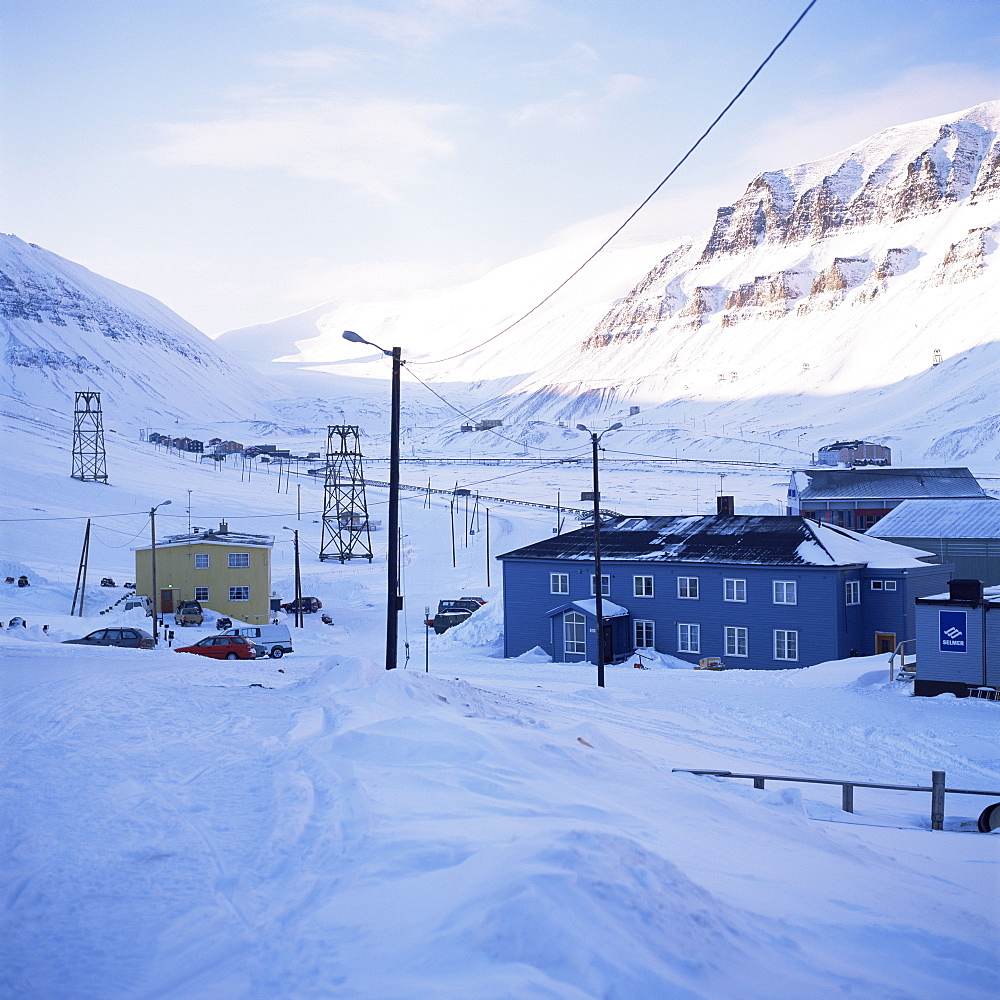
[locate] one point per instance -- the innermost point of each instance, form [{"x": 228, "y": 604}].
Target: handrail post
[
  {"x": 847, "y": 798},
  {"x": 937, "y": 800}
]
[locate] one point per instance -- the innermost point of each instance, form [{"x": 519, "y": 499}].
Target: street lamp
[
  {"x": 299, "y": 612},
  {"x": 599, "y": 602},
  {"x": 152, "y": 564},
  {"x": 392, "y": 604}
]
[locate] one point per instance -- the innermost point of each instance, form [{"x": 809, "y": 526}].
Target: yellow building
[{"x": 229, "y": 572}]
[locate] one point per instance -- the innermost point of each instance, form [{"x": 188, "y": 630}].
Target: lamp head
[
  {"x": 614, "y": 427},
  {"x": 355, "y": 338},
  {"x": 580, "y": 427}
]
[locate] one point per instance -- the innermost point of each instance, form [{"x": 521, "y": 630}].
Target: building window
[
  {"x": 605, "y": 585},
  {"x": 890, "y": 584},
  {"x": 853, "y": 591},
  {"x": 642, "y": 586},
  {"x": 201, "y": 593},
  {"x": 785, "y": 592},
  {"x": 239, "y": 593},
  {"x": 574, "y": 633},
  {"x": 876, "y": 584},
  {"x": 239, "y": 560},
  {"x": 736, "y": 640},
  {"x": 734, "y": 590},
  {"x": 786, "y": 645},
  {"x": 558, "y": 583},
  {"x": 201, "y": 560},
  {"x": 688, "y": 638},
  {"x": 687, "y": 587},
  {"x": 644, "y": 635}
]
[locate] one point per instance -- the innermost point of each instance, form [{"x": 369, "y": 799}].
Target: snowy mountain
[
  {"x": 815, "y": 307},
  {"x": 66, "y": 329}
]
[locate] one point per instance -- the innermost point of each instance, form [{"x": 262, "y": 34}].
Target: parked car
[
  {"x": 131, "y": 638},
  {"x": 189, "y": 613},
  {"x": 310, "y": 605},
  {"x": 222, "y": 647},
  {"x": 137, "y": 601},
  {"x": 453, "y": 612},
  {"x": 275, "y": 639},
  {"x": 108, "y": 582}
]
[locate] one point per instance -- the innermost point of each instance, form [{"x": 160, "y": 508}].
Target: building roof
[
  {"x": 734, "y": 540},
  {"x": 885, "y": 483},
  {"x": 941, "y": 519},
  {"x": 215, "y": 536}
]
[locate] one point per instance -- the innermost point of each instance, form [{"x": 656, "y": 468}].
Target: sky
[{"x": 244, "y": 160}]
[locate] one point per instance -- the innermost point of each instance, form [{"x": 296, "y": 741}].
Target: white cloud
[
  {"x": 308, "y": 60},
  {"x": 579, "y": 107},
  {"x": 375, "y": 145},
  {"x": 417, "y": 22}
]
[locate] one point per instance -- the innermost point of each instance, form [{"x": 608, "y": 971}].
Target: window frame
[
  {"x": 785, "y": 584},
  {"x": 736, "y": 599},
  {"x": 558, "y": 583},
  {"x": 889, "y": 584},
  {"x": 235, "y": 599},
  {"x": 198, "y": 557},
  {"x": 689, "y": 642},
  {"x": 733, "y": 635},
  {"x": 785, "y": 633},
  {"x": 876, "y": 584},
  {"x": 234, "y": 558},
  {"x": 605, "y": 585},
  {"x": 648, "y": 628},
  {"x": 684, "y": 583},
  {"x": 201, "y": 594},
  {"x": 852, "y": 589},
  {"x": 643, "y": 586},
  {"x": 575, "y": 621}
]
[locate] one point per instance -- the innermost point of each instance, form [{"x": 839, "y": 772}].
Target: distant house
[
  {"x": 854, "y": 453},
  {"x": 857, "y": 498},
  {"x": 214, "y": 441},
  {"x": 193, "y": 445},
  {"x": 227, "y": 571},
  {"x": 965, "y": 533},
  {"x": 761, "y": 592},
  {"x": 226, "y": 447}
]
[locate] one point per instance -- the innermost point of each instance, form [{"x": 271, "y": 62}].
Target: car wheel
[
  {"x": 277, "y": 652},
  {"x": 231, "y": 656},
  {"x": 990, "y": 818}
]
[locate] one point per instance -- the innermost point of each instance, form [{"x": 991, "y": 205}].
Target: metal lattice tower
[
  {"x": 89, "y": 459},
  {"x": 346, "y": 530}
]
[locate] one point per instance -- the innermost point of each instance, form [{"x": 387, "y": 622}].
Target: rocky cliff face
[{"x": 806, "y": 214}]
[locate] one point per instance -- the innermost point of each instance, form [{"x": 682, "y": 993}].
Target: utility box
[{"x": 958, "y": 640}]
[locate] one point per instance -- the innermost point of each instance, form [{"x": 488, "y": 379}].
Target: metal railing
[
  {"x": 936, "y": 788},
  {"x": 900, "y": 651}
]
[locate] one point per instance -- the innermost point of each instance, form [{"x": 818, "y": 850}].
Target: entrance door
[
  {"x": 885, "y": 642},
  {"x": 166, "y": 602},
  {"x": 607, "y": 640}
]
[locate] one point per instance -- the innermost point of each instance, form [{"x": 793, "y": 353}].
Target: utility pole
[
  {"x": 81, "y": 573},
  {"x": 595, "y": 439}
]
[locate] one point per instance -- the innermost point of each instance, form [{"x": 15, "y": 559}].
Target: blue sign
[{"x": 952, "y": 631}]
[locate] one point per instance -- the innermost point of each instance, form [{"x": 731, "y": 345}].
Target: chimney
[
  {"x": 223, "y": 527},
  {"x": 965, "y": 590},
  {"x": 725, "y": 506}
]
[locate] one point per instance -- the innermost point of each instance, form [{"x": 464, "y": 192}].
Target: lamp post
[
  {"x": 392, "y": 604},
  {"x": 300, "y": 620},
  {"x": 599, "y": 597},
  {"x": 152, "y": 565}
]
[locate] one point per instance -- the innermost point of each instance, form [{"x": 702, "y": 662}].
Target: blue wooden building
[{"x": 761, "y": 592}]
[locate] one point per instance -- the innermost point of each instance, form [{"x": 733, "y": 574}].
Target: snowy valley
[{"x": 470, "y": 827}]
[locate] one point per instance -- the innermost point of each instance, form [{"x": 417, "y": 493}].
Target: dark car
[
  {"x": 453, "y": 612},
  {"x": 310, "y": 605},
  {"x": 223, "y": 647},
  {"x": 132, "y": 638},
  {"x": 189, "y": 613}
]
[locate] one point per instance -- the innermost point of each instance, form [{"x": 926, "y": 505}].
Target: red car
[{"x": 222, "y": 647}]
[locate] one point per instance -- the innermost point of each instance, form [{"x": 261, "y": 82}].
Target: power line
[{"x": 641, "y": 205}]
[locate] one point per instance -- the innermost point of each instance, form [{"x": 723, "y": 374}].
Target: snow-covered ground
[{"x": 179, "y": 828}]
